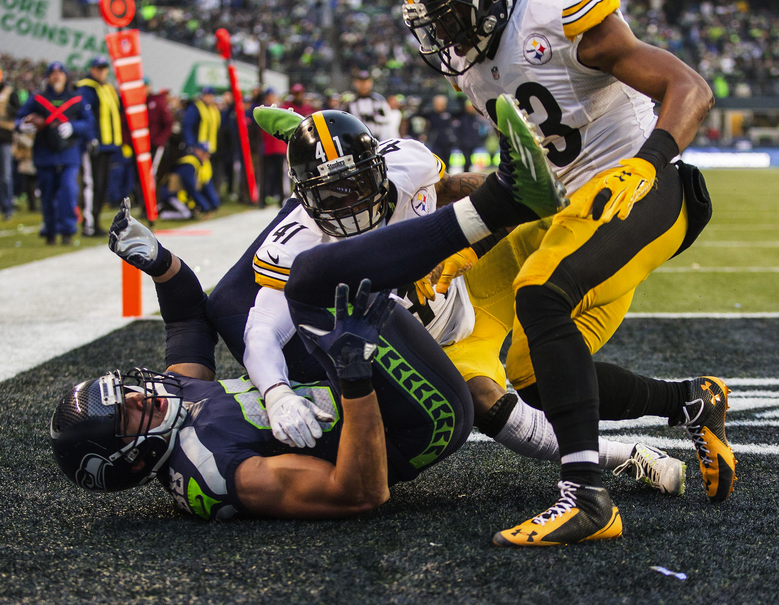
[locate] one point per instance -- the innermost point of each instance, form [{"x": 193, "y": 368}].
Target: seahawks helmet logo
[{"x": 91, "y": 473}]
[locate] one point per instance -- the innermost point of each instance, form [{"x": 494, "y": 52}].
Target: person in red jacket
[
  {"x": 160, "y": 121},
  {"x": 275, "y": 156}
]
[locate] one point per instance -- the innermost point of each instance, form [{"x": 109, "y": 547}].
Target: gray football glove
[{"x": 132, "y": 241}]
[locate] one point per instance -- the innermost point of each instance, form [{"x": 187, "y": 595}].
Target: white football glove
[
  {"x": 294, "y": 419},
  {"x": 27, "y": 128},
  {"x": 65, "y": 130}
]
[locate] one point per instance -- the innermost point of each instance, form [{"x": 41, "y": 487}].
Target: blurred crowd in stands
[
  {"x": 735, "y": 46},
  {"x": 338, "y": 55}
]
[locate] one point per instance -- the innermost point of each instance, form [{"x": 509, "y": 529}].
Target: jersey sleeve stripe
[
  {"x": 261, "y": 264},
  {"x": 586, "y": 15},
  {"x": 269, "y": 282},
  {"x": 440, "y": 166}
]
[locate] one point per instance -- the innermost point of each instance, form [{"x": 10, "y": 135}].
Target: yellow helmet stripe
[{"x": 324, "y": 135}]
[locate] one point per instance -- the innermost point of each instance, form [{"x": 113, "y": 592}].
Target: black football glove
[
  {"x": 135, "y": 244},
  {"x": 354, "y": 340}
]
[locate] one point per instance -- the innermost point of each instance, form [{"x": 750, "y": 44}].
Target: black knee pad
[{"x": 493, "y": 420}]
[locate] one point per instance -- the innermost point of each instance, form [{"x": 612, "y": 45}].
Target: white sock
[
  {"x": 529, "y": 433},
  {"x": 613, "y": 453},
  {"x": 470, "y": 221}
]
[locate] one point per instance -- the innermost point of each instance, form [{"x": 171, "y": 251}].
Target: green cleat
[
  {"x": 277, "y": 122},
  {"x": 535, "y": 182}
]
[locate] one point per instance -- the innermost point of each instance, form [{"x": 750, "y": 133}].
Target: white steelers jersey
[
  {"x": 589, "y": 119},
  {"x": 414, "y": 171}
]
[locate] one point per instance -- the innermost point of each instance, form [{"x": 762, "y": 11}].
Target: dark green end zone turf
[{"x": 429, "y": 544}]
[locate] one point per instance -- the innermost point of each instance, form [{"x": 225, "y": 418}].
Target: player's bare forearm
[
  {"x": 686, "y": 98},
  {"x": 453, "y": 187},
  {"x": 296, "y": 486}
]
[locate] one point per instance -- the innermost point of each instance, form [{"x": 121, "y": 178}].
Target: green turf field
[
  {"x": 20, "y": 242},
  {"x": 734, "y": 265}
]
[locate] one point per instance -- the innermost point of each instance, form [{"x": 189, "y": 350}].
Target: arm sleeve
[
  {"x": 84, "y": 126},
  {"x": 189, "y": 338},
  {"x": 189, "y": 125},
  {"x": 268, "y": 328}
]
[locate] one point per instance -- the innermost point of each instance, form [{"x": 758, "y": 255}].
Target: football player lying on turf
[
  {"x": 390, "y": 183},
  {"x": 397, "y": 405}
]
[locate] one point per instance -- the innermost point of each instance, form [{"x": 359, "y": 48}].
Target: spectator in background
[
  {"x": 298, "y": 102},
  {"x": 397, "y": 125},
  {"x": 227, "y": 160},
  {"x": 160, "y": 122},
  {"x": 59, "y": 119},
  {"x": 201, "y": 121},
  {"x": 440, "y": 137},
  {"x": 188, "y": 189},
  {"x": 9, "y": 106},
  {"x": 470, "y": 131},
  {"x": 101, "y": 99},
  {"x": 276, "y": 188},
  {"x": 370, "y": 107}
]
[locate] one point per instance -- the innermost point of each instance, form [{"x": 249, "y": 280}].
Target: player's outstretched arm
[
  {"x": 190, "y": 339},
  {"x": 611, "y": 47},
  {"x": 297, "y": 486},
  {"x": 686, "y": 98},
  {"x": 453, "y": 187}
]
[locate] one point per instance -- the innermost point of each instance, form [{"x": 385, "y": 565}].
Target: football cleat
[
  {"x": 703, "y": 419},
  {"x": 277, "y": 122},
  {"x": 582, "y": 513},
  {"x": 654, "y": 467},
  {"x": 535, "y": 183}
]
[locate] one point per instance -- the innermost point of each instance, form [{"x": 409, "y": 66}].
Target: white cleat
[{"x": 655, "y": 468}]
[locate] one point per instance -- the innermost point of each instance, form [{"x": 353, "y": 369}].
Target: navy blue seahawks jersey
[{"x": 226, "y": 424}]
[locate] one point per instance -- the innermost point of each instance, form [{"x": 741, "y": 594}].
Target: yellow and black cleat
[
  {"x": 581, "y": 514},
  {"x": 704, "y": 422}
]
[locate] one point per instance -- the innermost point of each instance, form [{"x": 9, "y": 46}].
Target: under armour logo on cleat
[{"x": 521, "y": 532}]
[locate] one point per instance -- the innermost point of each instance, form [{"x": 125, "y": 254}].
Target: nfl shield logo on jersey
[
  {"x": 537, "y": 49},
  {"x": 495, "y": 73}
]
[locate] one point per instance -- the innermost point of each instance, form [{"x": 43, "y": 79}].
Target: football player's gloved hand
[
  {"x": 294, "y": 419},
  {"x": 615, "y": 191},
  {"x": 27, "y": 127},
  {"x": 65, "y": 130},
  {"x": 424, "y": 288},
  {"x": 354, "y": 340},
  {"x": 456, "y": 265},
  {"x": 134, "y": 243}
]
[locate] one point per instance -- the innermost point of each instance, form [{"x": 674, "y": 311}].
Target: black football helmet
[
  {"x": 340, "y": 178},
  {"x": 90, "y": 439},
  {"x": 441, "y": 26}
]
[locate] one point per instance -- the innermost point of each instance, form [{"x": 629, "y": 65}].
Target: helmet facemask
[
  {"x": 444, "y": 26},
  {"x": 92, "y": 442},
  {"x": 348, "y": 201},
  {"x": 340, "y": 177}
]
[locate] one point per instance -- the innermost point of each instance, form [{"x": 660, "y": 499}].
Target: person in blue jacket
[
  {"x": 202, "y": 120},
  {"x": 59, "y": 118},
  {"x": 189, "y": 187}
]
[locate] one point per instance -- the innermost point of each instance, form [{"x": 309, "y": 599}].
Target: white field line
[
  {"x": 717, "y": 270},
  {"x": 738, "y": 244},
  {"x": 738, "y": 401},
  {"x": 767, "y": 315}
]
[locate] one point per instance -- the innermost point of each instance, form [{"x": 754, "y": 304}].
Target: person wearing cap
[
  {"x": 9, "y": 105},
  {"x": 202, "y": 120},
  {"x": 298, "y": 101},
  {"x": 189, "y": 188},
  {"x": 101, "y": 99},
  {"x": 369, "y": 106},
  {"x": 160, "y": 121},
  {"x": 59, "y": 118}
]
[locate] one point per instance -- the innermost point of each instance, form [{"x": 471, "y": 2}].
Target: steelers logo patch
[{"x": 537, "y": 49}]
